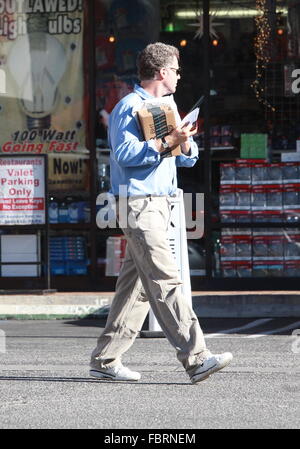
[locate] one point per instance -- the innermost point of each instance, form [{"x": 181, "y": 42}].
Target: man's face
[{"x": 171, "y": 76}]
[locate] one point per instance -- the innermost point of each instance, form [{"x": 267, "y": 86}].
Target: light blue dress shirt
[{"x": 135, "y": 164}]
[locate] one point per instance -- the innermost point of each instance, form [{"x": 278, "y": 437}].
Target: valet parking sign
[{"x": 22, "y": 191}]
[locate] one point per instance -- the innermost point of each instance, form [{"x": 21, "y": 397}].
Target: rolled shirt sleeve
[
  {"x": 129, "y": 150},
  {"x": 188, "y": 160}
]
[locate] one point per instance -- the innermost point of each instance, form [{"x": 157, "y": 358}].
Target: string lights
[{"x": 262, "y": 50}]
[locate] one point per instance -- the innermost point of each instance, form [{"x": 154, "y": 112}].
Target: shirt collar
[
  {"x": 146, "y": 96},
  {"x": 142, "y": 92}
]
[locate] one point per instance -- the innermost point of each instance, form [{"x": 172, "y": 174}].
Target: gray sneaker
[
  {"x": 119, "y": 372},
  {"x": 213, "y": 363}
]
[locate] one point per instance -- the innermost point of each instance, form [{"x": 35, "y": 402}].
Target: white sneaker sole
[
  {"x": 213, "y": 369},
  {"x": 106, "y": 376}
]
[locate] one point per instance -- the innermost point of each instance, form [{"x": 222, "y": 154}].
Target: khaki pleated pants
[{"x": 149, "y": 278}]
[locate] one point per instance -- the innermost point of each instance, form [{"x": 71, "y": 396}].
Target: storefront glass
[
  {"x": 46, "y": 85},
  {"x": 43, "y": 110}
]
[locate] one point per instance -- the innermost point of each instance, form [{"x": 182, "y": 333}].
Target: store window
[
  {"x": 122, "y": 30},
  {"x": 45, "y": 108},
  {"x": 254, "y": 117},
  {"x": 43, "y": 111}
]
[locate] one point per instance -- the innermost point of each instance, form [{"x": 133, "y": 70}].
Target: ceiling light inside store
[{"x": 230, "y": 13}]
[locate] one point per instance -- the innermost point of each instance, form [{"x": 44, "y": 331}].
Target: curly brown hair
[{"x": 153, "y": 58}]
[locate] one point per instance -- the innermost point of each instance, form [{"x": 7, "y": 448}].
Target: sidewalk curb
[
  {"x": 247, "y": 305},
  {"x": 96, "y": 305},
  {"x": 55, "y": 306}
]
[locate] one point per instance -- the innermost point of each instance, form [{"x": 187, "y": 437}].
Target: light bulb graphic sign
[
  {"x": 41, "y": 59},
  {"x": 22, "y": 190}
]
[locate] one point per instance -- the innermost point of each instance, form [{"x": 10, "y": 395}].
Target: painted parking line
[
  {"x": 274, "y": 331},
  {"x": 235, "y": 329}
]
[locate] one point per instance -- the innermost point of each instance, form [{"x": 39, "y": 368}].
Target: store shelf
[
  {"x": 64, "y": 194},
  {"x": 69, "y": 226},
  {"x": 219, "y": 148},
  {"x": 255, "y": 225},
  {"x": 84, "y": 226}
]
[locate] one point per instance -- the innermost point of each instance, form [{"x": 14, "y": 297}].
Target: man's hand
[{"x": 180, "y": 136}]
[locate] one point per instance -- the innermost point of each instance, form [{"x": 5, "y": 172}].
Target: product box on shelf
[
  {"x": 227, "y": 173},
  {"x": 236, "y": 247},
  {"x": 292, "y": 268},
  {"x": 243, "y": 171},
  {"x": 236, "y": 268},
  {"x": 267, "y": 268},
  {"x": 53, "y": 211},
  {"x": 266, "y": 216},
  {"x": 227, "y": 248},
  {"x": 290, "y": 172},
  {"x": 274, "y": 173},
  {"x": 227, "y": 203},
  {"x": 259, "y": 173},
  {"x": 291, "y": 202},
  {"x": 68, "y": 255},
  {"x": 235, "y": 216},
  {"x": 259, "y": 198},
  {"x": 268, "y": 247},
  {"x": 220, "y": 136},
  {"x": 242, "y": 197},
  {"x": 68, "y": 212},
  {"x": 274, "y": 202},
  {"x": 260, "y": 247},
  {"x": 227, "y": 197},
  {"x": 266, "y": 204},
  {"x": 292, "y": 245},
  {"x": 236, "y": 173}
]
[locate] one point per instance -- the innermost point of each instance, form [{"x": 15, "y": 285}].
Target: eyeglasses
[{"x": 177, "y": 71}]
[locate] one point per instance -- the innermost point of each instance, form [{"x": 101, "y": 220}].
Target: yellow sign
[{"x": 68, "y": 172}]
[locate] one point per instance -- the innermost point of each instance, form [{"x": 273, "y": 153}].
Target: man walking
[{"x": 149, "y": 274}]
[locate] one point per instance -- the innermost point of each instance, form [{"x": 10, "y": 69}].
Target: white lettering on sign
[{"x": 296, "y": 82}]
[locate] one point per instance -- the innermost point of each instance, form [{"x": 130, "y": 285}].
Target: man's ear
[{"x": 161, "y": 74}]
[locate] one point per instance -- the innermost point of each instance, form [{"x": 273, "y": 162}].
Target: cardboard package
[{"x": 156, "y": 122}]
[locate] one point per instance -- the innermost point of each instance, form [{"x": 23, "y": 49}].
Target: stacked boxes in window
[
  {"x": 68, "y": 255},
  {"x": 266, "y": 200},
  {"x": 267, "y": 252},
  {"x": 235, "y": 192},
  {"x": 252, "y": 190},
  {"x": 236, "y": 252},
  {"x": 274, "y": 192},
  {"x": 261, "y": 252}
]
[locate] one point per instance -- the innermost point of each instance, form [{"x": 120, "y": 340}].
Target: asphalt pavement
[{"x": 44, "y": 381}]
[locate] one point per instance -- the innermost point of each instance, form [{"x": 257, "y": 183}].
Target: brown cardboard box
[{"x": 157, "y": 122}]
